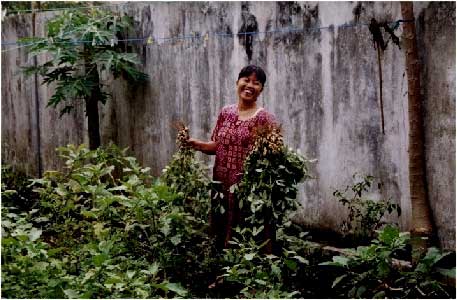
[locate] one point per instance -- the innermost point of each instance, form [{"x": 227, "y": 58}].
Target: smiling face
[{"x": 249, "y": 88}]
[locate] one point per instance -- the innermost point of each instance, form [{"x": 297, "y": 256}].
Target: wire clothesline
[{"x": 149, "y": 40}]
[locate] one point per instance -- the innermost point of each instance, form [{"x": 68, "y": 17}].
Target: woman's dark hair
[{"x": 258, "y": 71}]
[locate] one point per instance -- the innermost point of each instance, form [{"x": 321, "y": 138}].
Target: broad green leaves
[
  {"x": 103, "y": 221},
  {"x": 104, "y": 228},
  {"x": 370, "y": 271},
  {"x": 117, "y": 63},
  {"x": 81, "y": 44}
]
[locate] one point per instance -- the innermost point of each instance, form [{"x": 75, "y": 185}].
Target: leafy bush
[
  {"x": 110, "y": 233},
  {"x": 104, "y": 228},
  {"x": 426, "y": 280},
  {"x": 259, "y": 275},
  {"x": 27, "y": 264},
  {"x": 365, "y": 215},
  {"x": 372, "y": 272}
]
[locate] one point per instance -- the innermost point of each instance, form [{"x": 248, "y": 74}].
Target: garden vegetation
[{"x": 105, "y": 228}]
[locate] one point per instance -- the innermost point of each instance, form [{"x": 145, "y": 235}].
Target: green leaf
[
  {"x": 389, "y": 234},
  {"x": 291, "y": 264},
  {"x": 433, "y": 256},
  {"x": 72, "y": 294},
  {"x": 89, "y": 214},
  {"x": 141, "y": 293},
  {"x": 130, "y": 274},
  {"x": 118, "y": 188},
  {"x": 34, "y": 234},
  {"x": 360, "y": 291},
  {"x": 341, "y": 260},
  {"x": 249, "y": 256},
  {"x": 100, "y": 259},
  {"x": 260, "y": 281},
  {"x": 301, "y": 259},
  {"x": 256, "y": 230},
  {"x": 61, "y": 191},
  {"x": 380, "y": 295},
  {"x": 383, "y": 269},
  {"x": 447, "y": 272},
  {"x": 177, "y": 288},
  {"x": 98, "y": 229},
  {"x": 275, "y": 270},
  {"x": 154, "y": 268},
  {"x": 338, "y": 280},
  {"x": 176, "y": 240}
]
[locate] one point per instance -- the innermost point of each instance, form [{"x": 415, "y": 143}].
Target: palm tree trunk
[{"x": 422, "y": 225}]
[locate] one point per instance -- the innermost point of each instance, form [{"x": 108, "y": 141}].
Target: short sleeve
[
  {"x": 220, "y": 120},
  {"x": 268, "y": 119}
]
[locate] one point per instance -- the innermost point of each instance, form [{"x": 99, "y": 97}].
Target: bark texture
[{"x": 422, "y": 224}]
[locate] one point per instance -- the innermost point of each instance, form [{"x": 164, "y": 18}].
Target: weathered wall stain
[
  {"x": 322, "y": 85},
  {"x": 248, "y": 25}
]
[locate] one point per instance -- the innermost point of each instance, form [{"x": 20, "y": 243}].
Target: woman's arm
[{"x": 205, "y": 147}]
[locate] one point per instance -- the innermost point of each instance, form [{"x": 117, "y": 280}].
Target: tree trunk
[
  {"x": 422, "y": 225},
  {"x": 36, "y": 6},
  {"x": 93, "y": 123}
]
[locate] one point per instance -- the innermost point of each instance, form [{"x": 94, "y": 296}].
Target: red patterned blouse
[{"x": 234, "y": 142}]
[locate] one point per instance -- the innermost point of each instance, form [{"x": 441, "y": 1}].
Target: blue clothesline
[{"x": 151, "y": 39}]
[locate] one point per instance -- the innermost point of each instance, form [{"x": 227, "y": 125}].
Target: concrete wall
[
  {"x": 437, "y": 45},
  {"x": 322, "y": 85},
  {"x": 19, "y": 134}
]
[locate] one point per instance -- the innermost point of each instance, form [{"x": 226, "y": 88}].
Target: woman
[{"x": 231, "y": 141}]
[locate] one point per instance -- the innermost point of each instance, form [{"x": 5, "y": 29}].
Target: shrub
[
  {"x": 110, "y": 232},
  {"x": 371, "y": 272},
  {"x": 365, "y": 215}
]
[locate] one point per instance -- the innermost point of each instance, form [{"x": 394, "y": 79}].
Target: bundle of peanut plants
[
  {"x": 188, "y": 177},
  {"x": 263, "y": 259}
]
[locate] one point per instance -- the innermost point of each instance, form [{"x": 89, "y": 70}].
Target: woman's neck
[{"x": 243, "y": 106}]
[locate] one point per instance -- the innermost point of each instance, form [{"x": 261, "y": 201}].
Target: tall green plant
[
  {"x": 83, "y": 44},
  {"x": 365, "y": 215}
]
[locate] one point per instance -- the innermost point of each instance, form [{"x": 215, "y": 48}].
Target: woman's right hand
[
  {"x": 194, "y": 143},
  {"x": 205, "y": 147}
]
